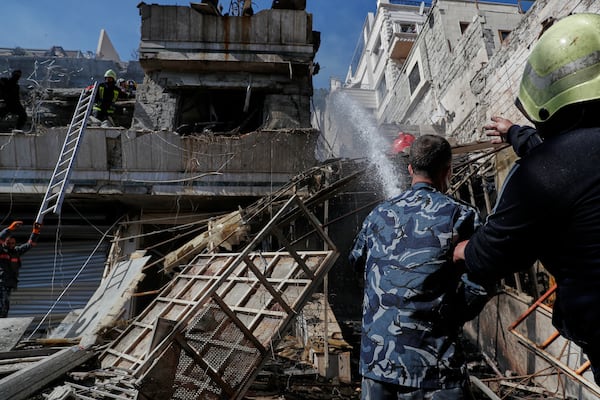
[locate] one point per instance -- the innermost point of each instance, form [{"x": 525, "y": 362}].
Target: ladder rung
[
  {"x": 65, "y": 160},
  {"x": 46, "y": 210},
  {"x": 61, "y": 172},
  {"x": 65, "y": 150},
  {"x": 71, "y": 141},
  {"x": 69, "y": 151},
  {"x": 55, "y": 195}
]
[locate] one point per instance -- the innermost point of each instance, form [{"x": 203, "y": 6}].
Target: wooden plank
[
  {"x": 28, "y": 353},
  {"x": 11, "y": 331},
  {"x": 132, "y": 337},
  {"x": 263, "y": 318},
  {"x": 268, "y": 286},
  {"x": 15, "y": 366},
  {"x": 176, "y": 301},
  {"x": 238, "y": 292},
  {"x": 218, "y": 231},
  {"x": 124, "y": 355},
  {"x": 142, "y": 325},
  {"x": 20, "y": 385},
  {"x": 106, "y": 304},
  {"x": 295, "y": 255},
  {"x": 95, "y": 392}
]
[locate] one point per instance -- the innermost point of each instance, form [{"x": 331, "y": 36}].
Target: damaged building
[
  {"x": 206, "y": 72},
  {"x": 218, "y": 158},
  {"x": 447, "y": 67},
  {"x": 206, "y": 235}
]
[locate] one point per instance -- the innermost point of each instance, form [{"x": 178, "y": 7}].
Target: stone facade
[
  {"x": 470, "y": 83},
  {"x": 225, "y": 73},
  {"x": 463, "y": 68}
]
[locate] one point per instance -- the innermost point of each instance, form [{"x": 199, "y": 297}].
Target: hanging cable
[{"x": 74, "y": 278}]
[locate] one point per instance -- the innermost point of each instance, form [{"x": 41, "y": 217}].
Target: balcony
[{"x": 404, "y": 37}]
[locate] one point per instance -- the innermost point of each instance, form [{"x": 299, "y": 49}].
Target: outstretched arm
[
  {"x": 35, "y": 233},
  {"x": 522, "y": 138},
  {"x": 12, "y": 227}
]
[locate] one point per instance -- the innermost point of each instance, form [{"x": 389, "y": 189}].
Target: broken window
[
  {"x": 381, "y": 89},
  {"x": 220, "y": 111},
  {"x": 414, "y": 78},
  {"x": 503, "y": 35},
  {"x": 463, "y": 27},
  {"x": 377, "y": 47}
]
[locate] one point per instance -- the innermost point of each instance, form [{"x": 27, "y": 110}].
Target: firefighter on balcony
[
  {"x": 106, "y": 96},
  {"x": 10, "y": 261}
]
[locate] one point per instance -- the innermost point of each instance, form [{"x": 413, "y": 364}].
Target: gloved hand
[
  {"x": 36, "y": 228},
  {"x": 15, "y": 225}
]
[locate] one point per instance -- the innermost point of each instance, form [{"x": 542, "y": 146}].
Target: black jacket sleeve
[{"x": 523, "y": 139}]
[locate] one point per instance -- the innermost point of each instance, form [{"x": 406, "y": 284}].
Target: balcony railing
[
  {"x": 415, "y": 3},
  {"x": 404, "y": 37}
]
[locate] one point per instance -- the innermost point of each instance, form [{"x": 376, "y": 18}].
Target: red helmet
[{"x": 402, "y": 142}]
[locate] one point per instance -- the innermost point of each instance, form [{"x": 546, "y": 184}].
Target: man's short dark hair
[{"x": 429, "y": 155}]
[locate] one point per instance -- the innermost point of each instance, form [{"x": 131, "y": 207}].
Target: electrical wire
[{"x": 100, "y": 242}]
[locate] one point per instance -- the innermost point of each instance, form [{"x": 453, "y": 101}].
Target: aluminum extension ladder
[{"x": 55, "y": 193}]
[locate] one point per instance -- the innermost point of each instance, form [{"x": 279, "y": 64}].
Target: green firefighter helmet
[
  {"x": 563, "y": 68},
  {"x": 110, "y": 74}
]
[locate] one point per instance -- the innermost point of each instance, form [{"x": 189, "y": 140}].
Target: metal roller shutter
[{"x": 47, "y": 271}]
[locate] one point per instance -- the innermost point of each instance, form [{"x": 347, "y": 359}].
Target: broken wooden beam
[{"x": 25, "y": 382}]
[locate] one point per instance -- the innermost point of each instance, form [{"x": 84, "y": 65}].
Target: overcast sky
[{"x": 76, "y": 25}]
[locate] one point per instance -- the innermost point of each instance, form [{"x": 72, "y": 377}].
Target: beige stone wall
[{"x": 472, "y": 81}]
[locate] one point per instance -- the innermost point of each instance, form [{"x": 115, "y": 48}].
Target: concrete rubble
[{"x": 230, "y": 215}]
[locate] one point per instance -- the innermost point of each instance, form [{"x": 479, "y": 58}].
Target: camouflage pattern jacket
[{"x": 415, "y": 299}]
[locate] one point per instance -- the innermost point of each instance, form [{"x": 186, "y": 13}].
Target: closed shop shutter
[{"x": 47, "y": 271}]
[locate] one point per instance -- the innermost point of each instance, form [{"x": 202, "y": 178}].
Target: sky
[{"x": 76, "y": 25}]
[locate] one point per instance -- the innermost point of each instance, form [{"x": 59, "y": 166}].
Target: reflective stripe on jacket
[{"x": 103, "y": 99}]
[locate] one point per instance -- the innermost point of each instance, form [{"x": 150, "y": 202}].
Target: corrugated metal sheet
[{"x": 45, "y": 275}]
